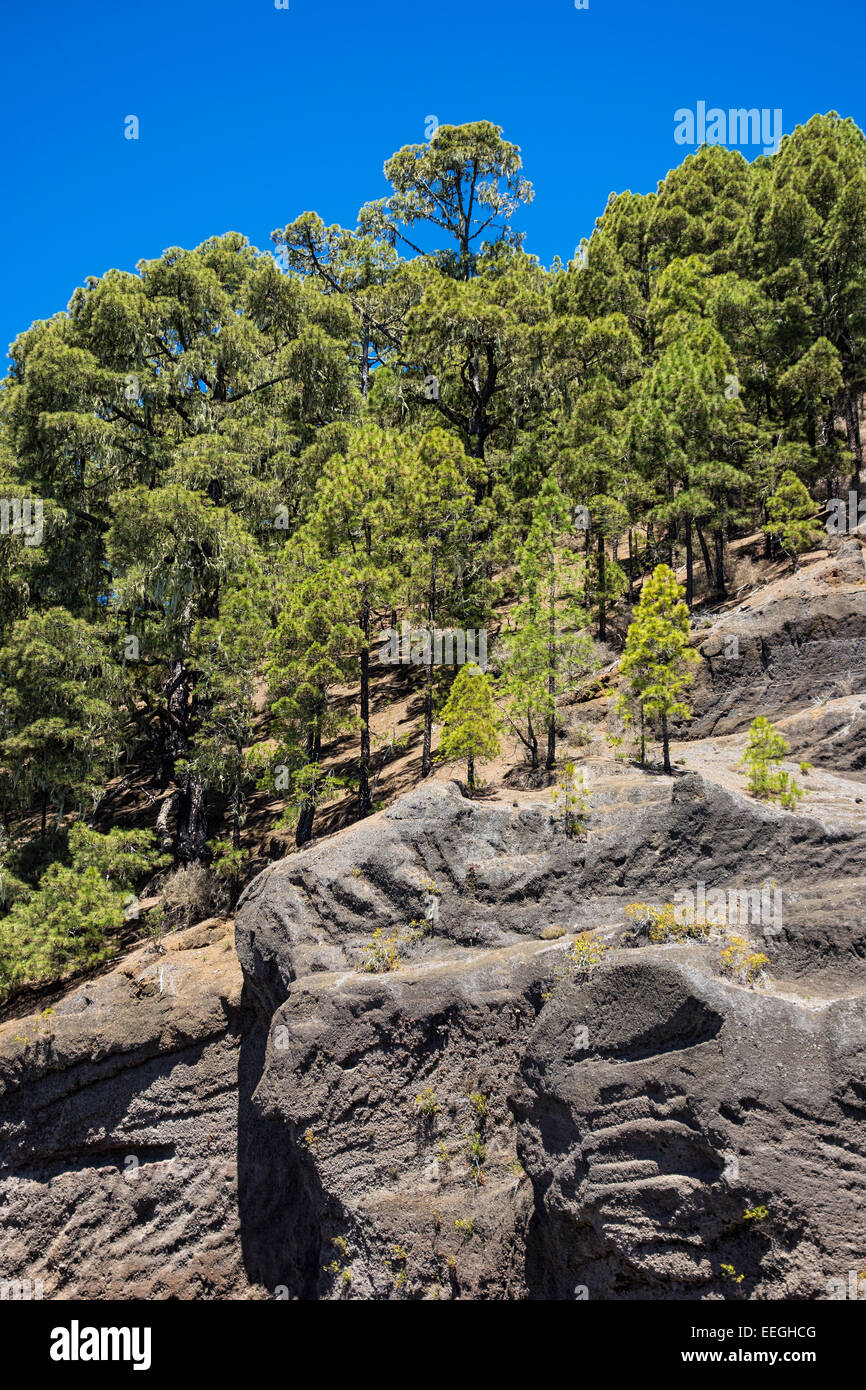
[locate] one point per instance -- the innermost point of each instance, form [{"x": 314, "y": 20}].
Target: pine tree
[
  {"x": 658, "y": 661},
  {"x": 465, "y": 181},
  {"x": 226, "y": 653},
  {"x": 549, "y": 651},
  {"x": 443, "y": 548},
  {"x": 359, "y": 516},
  {"x": 765, "y": 750},
  {"x": 470, "y": 723},
  {"x": 313, "y": 649},
  {"x": 61, "y": 692},
  {"x": 792, "y": 517}
]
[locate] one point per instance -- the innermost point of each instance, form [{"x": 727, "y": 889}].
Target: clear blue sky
[{"x": 249, "y": 115}]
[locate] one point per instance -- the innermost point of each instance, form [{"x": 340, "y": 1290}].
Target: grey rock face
[
  {"x": 799, "y": 639},
  {"x": 620, "y": 1165},
  {"x": 694, "y": 1102},
  {"x": 118, "y": 1131}
]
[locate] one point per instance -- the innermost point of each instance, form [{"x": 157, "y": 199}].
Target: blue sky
[{"x": 249, "y": 115}]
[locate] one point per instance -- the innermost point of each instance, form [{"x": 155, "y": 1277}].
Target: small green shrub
[
  {"x": 662, "y": 923},
  {"x": 765, "y": 749},
  {"x": 425, "y": 1101},
  {"x": 739, "y": 962},
  {"x": 586, "y": 953}
]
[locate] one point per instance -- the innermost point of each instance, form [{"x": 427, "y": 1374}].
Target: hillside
[{"x": 226, "y": 1142}]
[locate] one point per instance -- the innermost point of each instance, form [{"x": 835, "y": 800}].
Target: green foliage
[
  {"x": 66, "y": 925},
  {"x": 426, "y": 1102},
  {"x": 470, "y": 724},
  {"x": 664, "y": 923},
  {"x": 60, "y": 692},
  {"x": 792, "y": 519},
  {"x": 765, "y": 750},
  {"x": 70, "y": 921},
  {"x": 756, "y": 1214},
  {"x": 658, "y": 661},
  {"x": 380, "y": 954},
  {"x": 548, "y": 653},
  {"x": 586, "y": 953},
  {"x": 572, "y": 793},
  {"x": 122, "y": 857},
  {"x": 741, "y": 963}
]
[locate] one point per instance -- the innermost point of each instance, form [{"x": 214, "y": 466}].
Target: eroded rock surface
[
  {"x": 118, "y": 1130},
  {"x": 634, "y": 1117}
]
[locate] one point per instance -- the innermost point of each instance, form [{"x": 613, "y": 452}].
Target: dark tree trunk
[
  {"x": 642, "y": 737},
  {"x": 690, "y": 575},
  {"x": 852, "y": 429},
  {"x": 304, "y": 828},
  {"x": 666, "y": 752},
  {"x": 533, "y": 747},
  {"x": 470, "y": 772},
  {"x": 427, "y": 751},
  {"x": 236, "y": 809},
  {"x": 192, "y": 821},
  {"x": 365, "y": 804},
  {"x": 721, "y": 587},
  {"x": 551, "y": 669},
  {"x": 630, "y": 569},
  {"x": 708, "y": 564},
  {"x": 602, "y": 581},
  {"x": 191, "y": 800}
]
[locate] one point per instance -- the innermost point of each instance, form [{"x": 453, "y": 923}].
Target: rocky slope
[{"x": 484, "y": 1121}]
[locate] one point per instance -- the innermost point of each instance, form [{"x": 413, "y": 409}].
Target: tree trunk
[
  {"x": 705, "y": 552},
  {"x": 427, "y": 751},
  {"x": 551, "y": 668},
  {"x": 630, "y": 569},
  {"x": 690, "y": 576},
  {"x": 365, "y": 804},
  {"x": 852, "y": 429},
  {"x": 191, "y": 800},
  {"x": 192, "y": 821},
  {"x": 163, "y": 820},
  {"x": 470, "y": 773},
  {"x": 236, "y": 811},
  {"x": 602, "y": 580},
  {"x": 721, "y": 588},
  {"x": 365, "y": 364},
  {"x": 304, "y": 828},
  {"x": 533, "y": 747},
  {"x": 642, "y": 737},
  {"x": 666, "y": 752}
]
